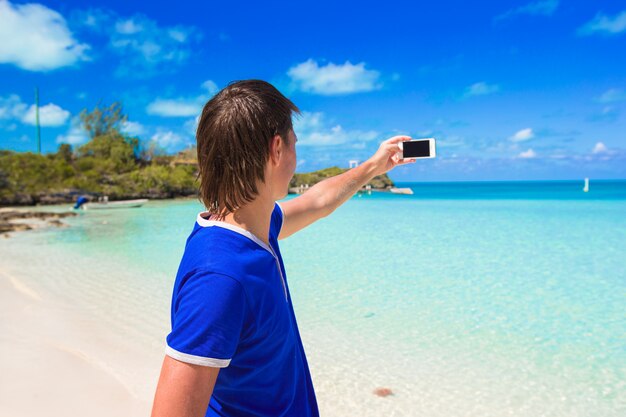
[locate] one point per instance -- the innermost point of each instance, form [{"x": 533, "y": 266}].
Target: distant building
[
  {"x": 354, "y": 163},
  {"x": 185, "y": 157}
]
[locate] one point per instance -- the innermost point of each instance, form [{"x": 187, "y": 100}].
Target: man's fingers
[
  {"x": 398, "y": 139},
  {"x": 406, "y": 161}
]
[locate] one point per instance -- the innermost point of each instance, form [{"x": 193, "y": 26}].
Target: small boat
[
  {"x": 586, "y": 187},
  {"x": 104, "y": 203},
  {"x": 401, "y": 190}
]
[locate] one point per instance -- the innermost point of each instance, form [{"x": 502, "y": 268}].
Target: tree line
[{"x": 111, "y": 163}]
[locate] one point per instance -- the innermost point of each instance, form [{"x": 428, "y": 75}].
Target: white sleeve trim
[
  {"x": 196, "y": 360},
  {"x": 282, "y": 219}
]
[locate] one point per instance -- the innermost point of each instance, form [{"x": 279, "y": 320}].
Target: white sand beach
[{"x": 43, "y": 371}]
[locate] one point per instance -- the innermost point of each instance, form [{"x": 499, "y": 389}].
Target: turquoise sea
[{"x": 465, "y": 299}]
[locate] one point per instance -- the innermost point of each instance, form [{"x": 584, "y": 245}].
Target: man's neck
[{"x": 254, "y": 217}]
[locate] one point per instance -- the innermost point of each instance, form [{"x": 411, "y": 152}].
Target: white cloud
[
  {"x": 529, "y": 154},
  {"x": 178, "y": 35},
  {"x": 97, "y": 20},
  {"x": 333, "y": 79},
  {"x": 523, "y": 135},
  {"x": 605, "y": 25},
  {"x": 600, "y": 152},
  {"x": 11, "y": 107},
  {"x": 49, "y": 115},
  {"x": 453, "y": 141},
  {"x": 143, "y": 46},
  {"x": 133, "y": 128},
  {"x": 607, "y": 114},
  {"x": 36, "y": 38},
  {"x": 76, "y": 135},
  {"x": 127, "y": 27},
  {"x": 481, "y": 89},
  {"x": 600, "y": 148},
  {"x": 612, "y": 95},
  {"x": 313, "y": 130},
  {"x": 537, "y": 8},
  {"x": 307, "y": 121},
  {"x": 191, "y": 125},
  {"x": 210, "y": 86},
  {"x": 168, "y": 139},
  {"x": 174, "y": 107},
  {"x": 182, "y": 106},
  {"x": 146, "y": 46},
  {"x": 492, "y": 147}
]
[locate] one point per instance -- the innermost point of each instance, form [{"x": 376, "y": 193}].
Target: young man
[{"x": 234, "y": 348}]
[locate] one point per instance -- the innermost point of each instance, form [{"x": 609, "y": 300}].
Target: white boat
[
  {"x": 115, "y": 204},
  {"x": 401, "y": 190},
  {"x": 100, "y": 205},
  {"x": 586, "y": 187}
]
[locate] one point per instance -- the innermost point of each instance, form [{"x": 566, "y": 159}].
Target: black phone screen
[{"x": 416, "y": 149}]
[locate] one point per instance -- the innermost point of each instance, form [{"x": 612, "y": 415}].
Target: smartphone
[{"x": 419, "y": 148}]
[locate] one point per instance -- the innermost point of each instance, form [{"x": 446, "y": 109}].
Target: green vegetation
[
  {"x": 310, "y": 178},
  {"x": 112, "y": 164}
]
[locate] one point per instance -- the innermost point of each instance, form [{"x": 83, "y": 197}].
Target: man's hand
[
  {"x": 386, "y": 157},
  {"x": 325, "y": 196}
]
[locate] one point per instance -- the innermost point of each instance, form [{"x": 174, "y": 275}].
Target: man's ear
[{"x": 276, "y": 149}]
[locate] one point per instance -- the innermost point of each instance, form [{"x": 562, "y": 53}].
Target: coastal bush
[
  {"x": 113, "y": 151},
  {"x": 106, "y": 165},
  {"x": 311, "y": 178}
]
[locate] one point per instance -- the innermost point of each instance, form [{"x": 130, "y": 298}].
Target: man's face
[
  {"x": 292, "y": 152},
  {"x": 289, "y": 161}
]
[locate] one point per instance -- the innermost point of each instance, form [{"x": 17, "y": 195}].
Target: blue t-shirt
[{"x": 231, "y": 309}]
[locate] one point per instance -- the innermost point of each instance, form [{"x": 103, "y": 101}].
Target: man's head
[{"x": 241, "y": 129}]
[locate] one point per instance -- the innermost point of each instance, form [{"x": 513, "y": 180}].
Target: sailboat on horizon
[{"x": 586, "y": 187}]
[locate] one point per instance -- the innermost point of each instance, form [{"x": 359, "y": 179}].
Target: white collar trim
[{"x": 209, "y": 223}]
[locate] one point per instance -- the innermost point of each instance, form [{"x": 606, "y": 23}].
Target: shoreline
[
  {"x": 71, "y": 202},
  {"x": 44, "y": 373},
  {"x": 18, "y": 220}
]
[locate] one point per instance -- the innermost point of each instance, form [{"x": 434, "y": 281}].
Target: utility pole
[{"x": 37, "y": 120}]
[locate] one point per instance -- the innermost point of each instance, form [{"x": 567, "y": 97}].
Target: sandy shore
[{"x": 43, "y": 373}]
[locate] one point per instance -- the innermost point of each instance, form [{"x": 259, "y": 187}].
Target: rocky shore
[{"x": 12, "y": 220}]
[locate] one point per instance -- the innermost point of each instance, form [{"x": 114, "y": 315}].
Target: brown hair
[{"x": 233, "y": 136}]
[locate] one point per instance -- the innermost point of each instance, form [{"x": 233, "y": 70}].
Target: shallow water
[{"x": 460, "y": 302}]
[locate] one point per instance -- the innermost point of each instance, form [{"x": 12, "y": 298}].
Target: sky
[{"x": 510, "y": 90}]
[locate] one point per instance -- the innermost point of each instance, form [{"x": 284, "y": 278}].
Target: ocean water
[{"x": 464, "y": 299}]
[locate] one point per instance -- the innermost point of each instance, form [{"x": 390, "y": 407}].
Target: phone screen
[{"x": 416, "y": 149}]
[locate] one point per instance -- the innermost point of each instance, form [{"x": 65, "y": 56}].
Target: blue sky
[{"x": 510, "y": 89}]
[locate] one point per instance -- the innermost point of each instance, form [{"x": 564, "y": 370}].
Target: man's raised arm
[{"x": 325, "y": 196}]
